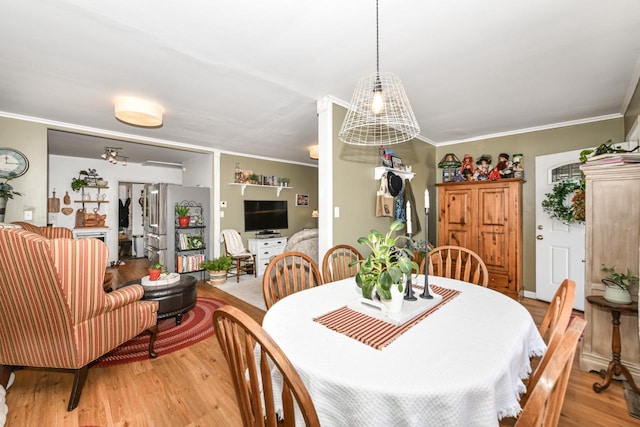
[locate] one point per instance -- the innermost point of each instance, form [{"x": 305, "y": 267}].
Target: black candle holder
[
  {"x": 425, "y": 294},
  {"x": 408, "y": 292}
]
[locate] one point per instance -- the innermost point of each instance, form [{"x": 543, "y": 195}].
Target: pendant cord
[{"x": 377, "y": 44}]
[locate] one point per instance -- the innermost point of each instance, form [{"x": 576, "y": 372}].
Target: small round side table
[{"x": 615, "y": 366}]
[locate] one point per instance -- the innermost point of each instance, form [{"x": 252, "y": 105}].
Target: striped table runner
[{"x": 375, "y": 332}]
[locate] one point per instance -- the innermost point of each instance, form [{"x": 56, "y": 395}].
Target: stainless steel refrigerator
[{"x": 161, "y": 223}]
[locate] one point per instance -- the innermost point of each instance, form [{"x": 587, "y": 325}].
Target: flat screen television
[{"x": 262, "y": 215}]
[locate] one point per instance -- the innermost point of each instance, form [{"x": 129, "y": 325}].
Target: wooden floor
[{"x": 191, "y": 387}]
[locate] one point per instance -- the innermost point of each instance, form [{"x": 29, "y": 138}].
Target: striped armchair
[
  {"x": 60, "y": 233},
  {"x": 53, "y": 310}
]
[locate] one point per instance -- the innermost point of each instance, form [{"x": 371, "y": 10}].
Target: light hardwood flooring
[{"x": 192, "y": 387}]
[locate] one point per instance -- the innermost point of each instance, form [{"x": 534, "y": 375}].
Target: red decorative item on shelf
[{"x": 183, "y": 221}]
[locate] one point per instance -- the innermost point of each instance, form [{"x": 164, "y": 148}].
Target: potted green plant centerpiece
[
  {"x": 183, "y": 215},
  {"x": 155, "y": 270},
  {"x": 617, "y": 285},
  {"x": 384, "y": 268},
  {"x": 217, "y": 269}
]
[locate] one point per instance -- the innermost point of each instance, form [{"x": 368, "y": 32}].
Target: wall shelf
[
  {"x": 98, "y": 199},
  {"x": 380, "y": 170},
  {"x": 244, "y": 187}
]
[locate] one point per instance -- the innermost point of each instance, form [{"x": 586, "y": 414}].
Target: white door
[{"x": 560, "y": 248}]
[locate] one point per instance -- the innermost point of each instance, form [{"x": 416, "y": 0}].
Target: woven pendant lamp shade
[{"x": 393, "y": 125}]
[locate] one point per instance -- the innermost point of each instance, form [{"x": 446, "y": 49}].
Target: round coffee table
[{"x": 174, "y": 299}]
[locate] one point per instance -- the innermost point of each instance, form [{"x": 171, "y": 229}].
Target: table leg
[
  {"x": 179, "y": 319},
  {"x": 615, "y": 366}
]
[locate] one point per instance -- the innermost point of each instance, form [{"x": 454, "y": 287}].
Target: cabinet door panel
[
  {"x": 458, "y": 207},
  {"x": 492, "y": 206},
  {"x": 494, "y": 250}
]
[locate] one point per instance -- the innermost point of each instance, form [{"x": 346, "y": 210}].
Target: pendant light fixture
[{"x": 380, "y": 113}]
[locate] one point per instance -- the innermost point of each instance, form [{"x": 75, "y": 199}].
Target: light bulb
[
  {"x": 104, "y": 156},
  {"x": 124, "y": 162},
  {"x": 377, "y": 106}
]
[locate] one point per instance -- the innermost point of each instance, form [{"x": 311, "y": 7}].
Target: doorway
[
  {"x": 131, "y": 220},
  {"x": 560, "y": 248}
]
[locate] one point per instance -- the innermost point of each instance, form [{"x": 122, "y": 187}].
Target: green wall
[
  {"x": 534, "y": 144},
  {"x": 304, "y": 180},
  {"x": 354, "y": 186},
  {"x": 31, "y": 140}
]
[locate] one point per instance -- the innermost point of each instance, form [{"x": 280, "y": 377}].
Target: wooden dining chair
[
  {"x": 553, "y": 326},
  {"x": 252, "y": 355},
  {"x": 547, "y": 393},
  {"x": 456, "y": 262},
  {"x": 335, "y": 264},
  {"x": 288, "y": 273}
]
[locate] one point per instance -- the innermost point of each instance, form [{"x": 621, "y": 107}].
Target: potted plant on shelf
[
  {"x": 217, "y": 269},
  {"x": 155, "y": 270},
  {"x": 383, "y": 269},
  {"x": 617, "y": 285},
  {"x": 183, "y": 215},
  {"x": 284, "y": 181},
  {"x": 253, "y": 178}
]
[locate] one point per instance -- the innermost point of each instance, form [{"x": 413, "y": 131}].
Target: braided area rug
[{"x": 197, "y": 325}]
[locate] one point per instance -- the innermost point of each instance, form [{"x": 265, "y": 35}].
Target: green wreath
[{"x": 555, "y": 203}]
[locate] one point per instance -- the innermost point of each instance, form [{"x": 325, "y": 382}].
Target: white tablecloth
[{"x": 461, "y": 366}]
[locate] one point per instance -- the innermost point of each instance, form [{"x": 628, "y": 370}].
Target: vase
[
  {"x": 3, "y": 208},
  {"x": 217, "y": 277},
  {"x": 183, "y": 221},
  {"x": 394, "y": 305},
  {"x": 615, "y": 294},
  {"x": 154, "y": 274}
]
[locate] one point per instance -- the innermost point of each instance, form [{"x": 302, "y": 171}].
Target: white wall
[{"x": 63, "y": 169}]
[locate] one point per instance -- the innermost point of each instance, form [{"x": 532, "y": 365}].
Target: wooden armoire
[
  {"x": 612, "y": 228},
  {"x": 486, "y": 217}
]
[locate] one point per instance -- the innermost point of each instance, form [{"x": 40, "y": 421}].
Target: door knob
[
  {"x": 540, "y": 237},
  {"x": 541, "y": 227}
]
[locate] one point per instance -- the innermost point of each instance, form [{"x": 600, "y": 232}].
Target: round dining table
[{"x": 461, "y": 365}]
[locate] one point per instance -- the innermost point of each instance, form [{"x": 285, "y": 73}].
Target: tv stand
[{"x": 264, "y": 248}]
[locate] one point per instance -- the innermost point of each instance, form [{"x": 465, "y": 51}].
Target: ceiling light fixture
[
  {"x": 138, "y": 112},
  {"x": 162, "y": 164},
  {"x": 380, "y": 113},
  {"x": 313, "y": 152},
  {"x": 112, "y": 155}
]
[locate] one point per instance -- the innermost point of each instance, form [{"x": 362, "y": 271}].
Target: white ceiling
[{"x": 244, "y": 76}]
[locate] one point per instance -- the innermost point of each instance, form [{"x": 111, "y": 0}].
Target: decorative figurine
[
  {"x": 467, "y": 167},
  {"x": 518, "y": 166},
  {"x": 482, "y": 171},
  {"x": 502, "y": 169}
]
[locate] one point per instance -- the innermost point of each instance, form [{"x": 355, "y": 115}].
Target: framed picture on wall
[{"x": 302, "y": 200}]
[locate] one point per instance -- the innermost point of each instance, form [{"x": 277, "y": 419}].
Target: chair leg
[
  {"x": 153, "y": 332},
  {"x": 5, "y": 373},
  {"x": 78, "y": 384},
  {"x": 238, "y": 261}
]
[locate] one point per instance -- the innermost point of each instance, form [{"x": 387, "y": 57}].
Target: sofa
[{"x": 305, "y": 241}]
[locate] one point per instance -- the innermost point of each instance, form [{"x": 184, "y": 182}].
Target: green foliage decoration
[{"x": 555, "y": 203}]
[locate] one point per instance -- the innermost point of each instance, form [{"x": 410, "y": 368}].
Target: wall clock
[{"x": 12, "y": 163}]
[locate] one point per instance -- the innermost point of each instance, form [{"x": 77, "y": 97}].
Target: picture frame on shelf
[
  {"x": 397, "y": 163},
  {"x": 302, "y": 200}
]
